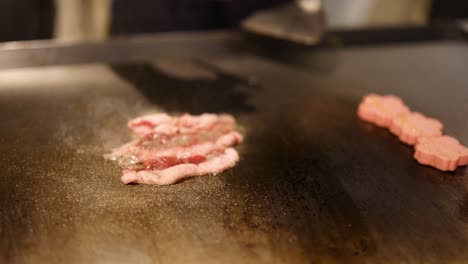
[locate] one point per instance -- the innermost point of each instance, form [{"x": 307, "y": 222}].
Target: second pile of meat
[
  {"x": 168, "y": 149},
  {"x": 431, "y": 147}
]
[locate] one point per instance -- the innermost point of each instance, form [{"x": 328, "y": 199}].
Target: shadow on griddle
[{"x": 223, "y": 93}]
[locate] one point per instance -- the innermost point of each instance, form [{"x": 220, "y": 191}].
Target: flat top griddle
[{"x": 314, "y": 184}]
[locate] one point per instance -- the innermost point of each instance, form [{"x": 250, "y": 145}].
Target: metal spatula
[{"x": 301, "y": 21}]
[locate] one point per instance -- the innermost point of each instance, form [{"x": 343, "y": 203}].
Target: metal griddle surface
[{"x": 315, "y": 184}]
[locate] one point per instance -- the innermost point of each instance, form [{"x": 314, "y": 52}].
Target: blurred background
[{"x": 100, "y": 19}]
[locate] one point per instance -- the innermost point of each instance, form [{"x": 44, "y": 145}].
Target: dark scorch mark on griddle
[{"x": 221, "y": 94}]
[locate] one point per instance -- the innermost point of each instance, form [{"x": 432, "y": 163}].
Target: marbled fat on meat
[{"x": 175, "y": 173}]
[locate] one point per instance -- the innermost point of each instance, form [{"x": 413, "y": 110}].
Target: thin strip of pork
[
  {"x": 192, "y": 124},
  {"x": 201, "y": 149},
  {"x": 131, "y": 153},
  {"x": 144, "y": 125},
  {"x": 185, "y": 124},
  {"x": 176, "y": 173}
]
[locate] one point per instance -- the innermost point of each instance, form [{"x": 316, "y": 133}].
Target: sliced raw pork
[{"x": 170, "y": 148}]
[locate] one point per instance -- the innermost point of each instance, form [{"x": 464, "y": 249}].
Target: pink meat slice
[
  {"x": 132, "y": 153},
  {"x": 202, "y": 149},
  {"x": 163, "y": 124},
  {"x": 444, "y": 153},
  {"x": 162, "y": 131},
  {"x": 188, "y": 124},
  {"x": 176, "y": 173},
  {"x": 381, "y": 110},
  {"x": 410, "y": 127},
  {"x": 164, "y": 162},
  {"x": 144, "y": 125}
]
